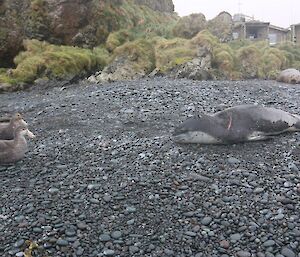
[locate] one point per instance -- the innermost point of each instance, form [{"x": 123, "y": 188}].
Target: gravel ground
[{"x": 103, "y": 177}]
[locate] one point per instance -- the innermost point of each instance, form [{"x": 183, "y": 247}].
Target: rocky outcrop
[
  {"x": 131, "y": 61},
  {"x": 197, "y": 69},
  {"x": 84, "y": 23},
  {"x": 189, "y": 26},
  {"x": 291, "y": 76},
  {"x": 222, "y": 26},
  {"x": 158, "y": 5},
  {"x": 12, "y": 19}
]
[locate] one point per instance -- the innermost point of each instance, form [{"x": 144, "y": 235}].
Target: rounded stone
[
  {"x": 19, "y": 243},
  {"x": 116, "y": 234},
  {"x": 287, "y": 252},
  {"x": 243, "y": 254},
  {"x": 62, "y": 242},
  {"x": 109, "y": 252},
  {"x": 206, "y": 220},
  {"x": 104, "y": 237},
  {"x": 269, "y": 243}
]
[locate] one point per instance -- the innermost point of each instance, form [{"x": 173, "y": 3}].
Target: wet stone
[
  {"x": 62, "y": 242},
  {"x": 206, "y": 221},
  {"x": 104, "y": 237},
  {"x": 287, "y": 252},
  {"x": 116, "y": 234},
  {"x": 19, "y": 243},
  {"x": 109, "y": 252}
]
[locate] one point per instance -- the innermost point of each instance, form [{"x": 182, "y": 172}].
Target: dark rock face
[
  {"x": 158, "y": 5},
  {"x": 12, "y": 18},
  {"x": 291, "y": 76},
  {"x": 83, "y": 23},
  {"x": 67, "y": 18}
]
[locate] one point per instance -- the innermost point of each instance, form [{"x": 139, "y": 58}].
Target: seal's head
[{"x": 199, "y": 129}]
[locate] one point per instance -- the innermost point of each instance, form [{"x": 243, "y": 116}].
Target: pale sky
[{"x": 280, "y": 13}]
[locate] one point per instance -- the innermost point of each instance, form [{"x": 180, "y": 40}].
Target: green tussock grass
[
  {"x": 40, "y": 60},
  {"x": 172, "y": 52},
  {"x": 137, "y": 21},
  {"x": 140, "y": 53}
]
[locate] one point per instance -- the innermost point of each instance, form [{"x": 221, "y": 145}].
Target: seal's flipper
[{"x": 259, "y": 136}]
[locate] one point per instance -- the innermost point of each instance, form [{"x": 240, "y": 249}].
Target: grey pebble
[
  {"x": 133, "y": 249},
  {"x": 243, "y": 254},
  {"x": 94, "y": 200},
  {"x": 130, "y": 209},
  {"x": 279, "y": 216},
  {"x": 37, "y": 230},
  {"x": 269, "y": 243},
  {"x": 287, "y": 252},
  {"x": 258, "y": 190},
  {"x": 116, "y": 234},
  {"x": 53, "y": 190},
  {"x": 130, "y": 222},
  {"x": 19, "y": 243},
  {"x": 104, "y": 237},
  {"x": 190, "y": 233},
  {"x": 109, "y": 252},
  {"x": 62, "y": 242},
  {"x": 206, "y": 220},
  {"x": 235, "y": 237},
  {"x": 232, "y": 160},
  {"x": 81, "y": 225}
]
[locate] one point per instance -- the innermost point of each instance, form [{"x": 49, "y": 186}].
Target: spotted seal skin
[
  {"x": 291, "y": 76},
  {"x": 237, "y": 124}
]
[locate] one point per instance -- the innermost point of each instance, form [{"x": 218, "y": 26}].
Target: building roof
[{"x": 278, "y": 28}]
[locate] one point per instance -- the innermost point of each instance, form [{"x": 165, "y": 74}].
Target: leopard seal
[{"x": 237, "y": 124}]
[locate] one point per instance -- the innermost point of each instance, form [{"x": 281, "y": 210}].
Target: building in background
[
  {"x": 295, "y": 33},
  {"x": 245, "y": 27}
]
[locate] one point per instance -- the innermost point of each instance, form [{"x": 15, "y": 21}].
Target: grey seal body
[{"x": 237, "y": 124}]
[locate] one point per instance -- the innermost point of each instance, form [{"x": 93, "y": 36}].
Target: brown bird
[
  {"x": 7, "y": 127},
  {"x": 14, "y": 150}
]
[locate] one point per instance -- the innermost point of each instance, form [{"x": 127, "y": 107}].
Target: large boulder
[
  {"x": 222, "y": 26},
  {"x": 189, "y": 26},
  {"x": 291, "y": 76}
]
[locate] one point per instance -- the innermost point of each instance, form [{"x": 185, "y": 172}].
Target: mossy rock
[
  {"x": 173, "y": 52},
  {"x": 132, "y": 60},
  {"x": 221, "y": 26},
  {"x": 118, "y": 38},
  {"x": 41, "y": 59},
  {"x": 140, "y": 52},
  {"x": 189, "y": 26},
  {"x": 205, "y": 39}
]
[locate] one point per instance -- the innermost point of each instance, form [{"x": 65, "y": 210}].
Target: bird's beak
[
  {"x": 24, "y": 123},
  {"x": 30, "y": 134}
]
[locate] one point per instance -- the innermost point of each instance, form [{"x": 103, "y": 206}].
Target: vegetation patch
[
  {"x": 172, "y": 52},
  {"x": 140, "y": 53},
  {"x": 43, "y": 60},
  {"x": 189, "y": 26}
]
